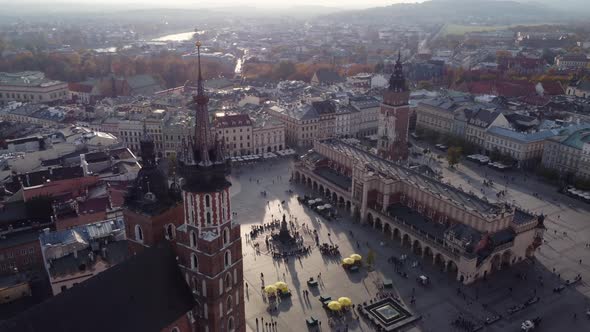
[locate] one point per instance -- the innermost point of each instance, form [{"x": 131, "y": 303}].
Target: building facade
[
  {"x": 235, "y": 131},
  {"x": 572, "y": 61},
  {"x": 454, "y": 230},
  {"x": 525, "y": 148},
  {"x": 437, "y": 115},
  {"x": 31, "y": 86},
  {"x": 567, "y": 152},
  {"x": 268, "y": 135}
]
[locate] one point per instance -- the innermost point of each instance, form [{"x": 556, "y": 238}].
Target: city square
[{"x": 437, "y": 304}]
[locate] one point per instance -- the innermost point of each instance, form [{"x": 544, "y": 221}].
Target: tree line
[
  {"x": 167, "y": 67},
  {"x": 287, "y": 70}
]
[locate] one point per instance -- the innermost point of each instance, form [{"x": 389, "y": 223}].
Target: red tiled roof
[
  {"x": 552, "y": 88},
  {"x": 515, "y": 89},
  {"x": 78, "y": 87},
  {"x": 97, "y": 204}
]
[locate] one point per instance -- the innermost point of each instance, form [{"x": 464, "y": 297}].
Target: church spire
[
  {"x": 147, "y": 148},
  {"x": 203, "y": 141},
  {"x": 397, "y": 81}
]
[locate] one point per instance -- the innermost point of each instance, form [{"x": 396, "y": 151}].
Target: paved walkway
[{"x": 438, "y": 304}]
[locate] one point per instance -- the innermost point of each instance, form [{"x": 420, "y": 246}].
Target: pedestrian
[{"x": 580, "y": 261}]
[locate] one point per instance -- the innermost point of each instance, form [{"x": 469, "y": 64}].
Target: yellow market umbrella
[
  {"x": 348, "y": 261},
  {"x": 270, "y": 289},
  {"x": 281, "y": 285},
  {"x": 356, "y": 257},
  {"x": 345, "y": 301},
  {"x": 334, "y": 305}
]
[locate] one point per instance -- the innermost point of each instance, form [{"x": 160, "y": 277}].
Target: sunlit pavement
[{"x": 439, "y": 303}]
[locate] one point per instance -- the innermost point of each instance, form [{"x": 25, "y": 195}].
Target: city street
[{"x": 440, "y": 302}]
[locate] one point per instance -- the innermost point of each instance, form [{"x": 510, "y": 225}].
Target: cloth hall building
[{"x": 455, "y": 230}]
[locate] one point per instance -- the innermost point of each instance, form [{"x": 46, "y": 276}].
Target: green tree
[{"x": 454, "y": 155}]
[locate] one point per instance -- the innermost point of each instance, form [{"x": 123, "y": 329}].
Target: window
[
  {"x": 193, "y": 239},
  {"x": 228, "y": 304},
  {"x": 207, "y": 201},
  {"x": 227, "y": 258},
  {"x": 138, "y": 233},
  {"x": 194, "y": 262},
  {"x": 228, "y": 281},
  {"x": 225, "y": 236},
  {"x": 230, "y": 324},
  {"x": 208, "y": 218},
  {"x": 170, "y": 231}
]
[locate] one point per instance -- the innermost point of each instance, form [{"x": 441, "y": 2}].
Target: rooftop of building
[
  {"x": 300, "y": 112},
  {"x": 78, "y": 249},
  {"x": 121, "y": 296},
  {"x": 433, "y": 229},
  {"x": 363, "y": 101},
  {"x": 388, "y": 168},
  {"x": 19, "y": 238},
  {"x": 578, "y": 138},
  {"x": 537, "y": 136},
  {"x": 232, "y": 120},
  {"x": 483, "y": 117},
  {"x": 27, "y": 79}
]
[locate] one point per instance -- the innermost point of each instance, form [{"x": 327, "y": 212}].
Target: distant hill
[{"x": 456, "y": 11}]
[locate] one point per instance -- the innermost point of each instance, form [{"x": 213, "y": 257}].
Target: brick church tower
[
  {"x": 195, "y": 216},
  {"x": 153, "y": 209},
  {"x": 209, "y": 242},
  {"x": 394, "y": 117}
]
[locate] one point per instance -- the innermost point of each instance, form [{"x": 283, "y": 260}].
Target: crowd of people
[{"x": 329, "y": 249}]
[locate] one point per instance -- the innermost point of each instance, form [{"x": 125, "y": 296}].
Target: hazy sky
[{"x": 224, "y": 3}]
